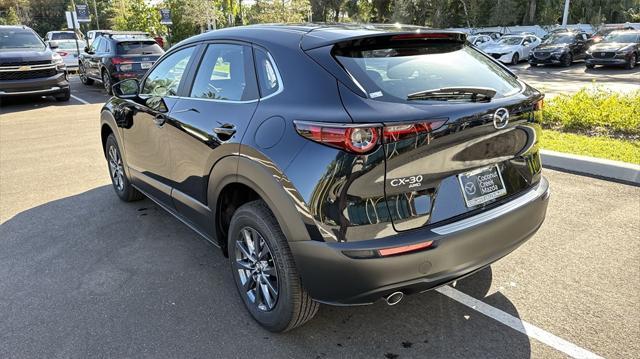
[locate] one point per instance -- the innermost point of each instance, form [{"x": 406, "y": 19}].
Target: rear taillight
[
  {"x": 119, "y": 60},
  {"x": 400, "y": 132},
  {"x": 538, "y": 106},
  {"x": 362, "y": 139},
  {"x": 62, "y": 53}
]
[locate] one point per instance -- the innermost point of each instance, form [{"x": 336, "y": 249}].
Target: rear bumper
[
  {"x": 42, "y": 86},
  {"x": 459, "y": 249}
]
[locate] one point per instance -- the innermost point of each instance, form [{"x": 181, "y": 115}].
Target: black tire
[
  {"x": 531, "y": 64},
  {"x": 106, "y": 82},
  {"x": 567, "y": 60},
  {"x": 292, "y": 305},
  {"x": 119, "y": 179},
  {"x": 63, "y": 96},
  {"x": 590, "y": 66},
  {"x": 632, "y": 62},
  {"x": 515, "y": 59},
  {"x": 83, "y": 75}
]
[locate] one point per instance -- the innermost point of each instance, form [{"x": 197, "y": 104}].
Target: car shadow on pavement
[{"x": 91, "y": 276}]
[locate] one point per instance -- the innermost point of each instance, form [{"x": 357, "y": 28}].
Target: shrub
[{"x": 595, "y": 112}]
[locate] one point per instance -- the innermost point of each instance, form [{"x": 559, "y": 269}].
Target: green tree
[
  {"x": 136, "y": 15},
  {"x": 10, "y": 17}
]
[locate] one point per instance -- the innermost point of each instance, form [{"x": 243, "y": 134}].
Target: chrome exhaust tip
[{"x": 394, "y": 298}]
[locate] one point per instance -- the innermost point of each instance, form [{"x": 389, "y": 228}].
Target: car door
[
  {"x": 580, "y": 46},
  {"x": 146, "y": 142},
  {"x": 527, "y": 45},
  {"x": 209, "y": 122},
  {"x": 92, "y": 66}
]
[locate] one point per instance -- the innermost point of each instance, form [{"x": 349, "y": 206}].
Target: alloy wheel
[
  {"x": 82, "y": 73},
  {"x": 106, "y": 81},
  {"x": 116, "y": 169},
  {"x": 256, "y": 269}
]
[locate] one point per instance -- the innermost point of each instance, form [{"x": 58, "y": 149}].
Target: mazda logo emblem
[
  {"x": 470, "y": 188},
  {"x": 501, "y": 118}
]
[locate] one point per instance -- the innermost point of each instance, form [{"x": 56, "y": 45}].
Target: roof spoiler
[{"x": 371, "y": 38}]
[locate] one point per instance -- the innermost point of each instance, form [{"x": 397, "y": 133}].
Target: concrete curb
[{"x": 591, "y": 166}]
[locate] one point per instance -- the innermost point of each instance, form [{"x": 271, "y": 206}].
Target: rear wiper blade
[{"x": 474, "y": 94}]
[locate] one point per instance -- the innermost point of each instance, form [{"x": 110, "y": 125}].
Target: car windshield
[
  {"x": 559, "y": 39},
  {"x": 19, "y": 39},
  {"x": 63, "y": 36},
  {"x": 393, "y": 73},
  {"x": 510, "y": 40},
  {"x": 71, "y": 45},
  {"x": 621, "y": 37},
  {"x": 139, "y": 48}
]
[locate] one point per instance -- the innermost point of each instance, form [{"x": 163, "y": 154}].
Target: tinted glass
[
  {"x": 139, "y": 48},
  {"x": 511, "y": 40},
  {"x": 63, "y": 36},
  {"x": 391, "y": 74},
  {"x": 559, "y": 39},
  {"x": 226, "y": 72},
  {"x": 621, "y": 37},
  {"x": 165, "y": 78},
  {"x": 267, "y": 74},
  {"x": 19, "y": 39}
]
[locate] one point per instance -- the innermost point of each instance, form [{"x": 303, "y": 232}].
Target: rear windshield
[
  {"x": 63, "y": 36},
  {"x": 19, "y": 39},
  {"x": 139, "y": 48},
  {"x": 392, "y": 73}
]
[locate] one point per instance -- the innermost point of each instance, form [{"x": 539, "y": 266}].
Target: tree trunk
[{"x": 532, "y": 11}]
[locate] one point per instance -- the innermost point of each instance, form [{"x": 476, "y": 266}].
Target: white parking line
[
  {"x": 79, "y": 99},
  {"x": 523, "y": 327}
]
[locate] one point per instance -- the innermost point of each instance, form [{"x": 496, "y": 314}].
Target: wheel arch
[{"x": 250, "y": 181}]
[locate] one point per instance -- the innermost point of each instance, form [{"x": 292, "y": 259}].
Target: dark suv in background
[
  {"x": 116, "y": 56},
  {"x": 333, "y": 164},
  {"x": 561, "y": 48},
  {"x": 619, "y": 48},
  {"x": 29, "y": 67}
]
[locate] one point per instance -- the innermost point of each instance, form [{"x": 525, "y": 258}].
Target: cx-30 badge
[{"x": 501, "y": 118}]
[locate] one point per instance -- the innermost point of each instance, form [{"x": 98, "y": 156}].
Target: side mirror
[
  {"x": 53, "y": 45},
  {"x": 88, "y": 50},
  {"x": 126, "y": 89}
]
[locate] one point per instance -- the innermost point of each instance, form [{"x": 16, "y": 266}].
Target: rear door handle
[
  {"x": 159, "y": 120},
  {"x": 226, "y": 130}
]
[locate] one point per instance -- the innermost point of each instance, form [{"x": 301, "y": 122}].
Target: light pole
[
  {"x": 565, "y": 16},
  {"x": 95, "y": 8}
]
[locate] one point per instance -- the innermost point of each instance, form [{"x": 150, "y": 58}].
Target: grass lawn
[{"x": 603, "y": 147}]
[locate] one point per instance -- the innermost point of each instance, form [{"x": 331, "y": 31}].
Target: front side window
[
  {"x": 225, "y": 73},
  {"x": 268, "y": 79},
  {"x": 165, "y": 78}
]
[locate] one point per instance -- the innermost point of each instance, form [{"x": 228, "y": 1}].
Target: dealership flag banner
[
  {"x": 82, "y": 13},
  {"x": 165, "y": 17}
]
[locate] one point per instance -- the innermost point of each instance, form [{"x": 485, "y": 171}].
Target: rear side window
[
  {"x": 268, "y": 77},
  {"x": 226, "y": 73},
  {"x": 391, "y": 73},
  {"x": 138, "y": 48}
]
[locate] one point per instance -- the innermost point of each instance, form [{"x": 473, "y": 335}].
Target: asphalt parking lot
[
  {"x": 83, "y": 274},
  {"x": 555, "y": 80}
]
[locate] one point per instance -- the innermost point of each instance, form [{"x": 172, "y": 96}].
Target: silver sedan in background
[{"x": 68, "y": 51}]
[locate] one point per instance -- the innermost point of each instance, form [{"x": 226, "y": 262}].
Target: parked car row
[{"x": 563, "y": 47}]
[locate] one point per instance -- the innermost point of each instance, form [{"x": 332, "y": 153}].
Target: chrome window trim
[
  {"x": 277, "y": 71},
  {"x": 541, "y": 190}
]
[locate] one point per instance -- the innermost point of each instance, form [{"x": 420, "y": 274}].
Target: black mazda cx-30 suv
[{"x": 336, "y": 165}]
